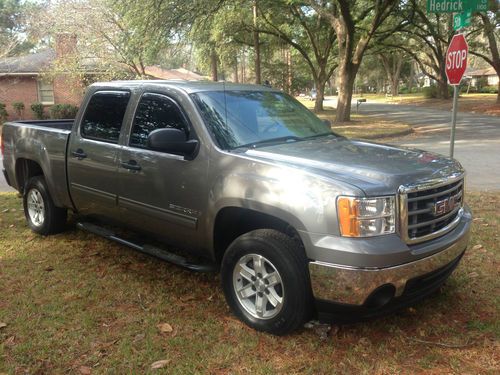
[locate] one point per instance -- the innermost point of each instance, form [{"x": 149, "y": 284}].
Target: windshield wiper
[
  {"x": 270, "y": 141},
  {"x": 319, "y": 135}
]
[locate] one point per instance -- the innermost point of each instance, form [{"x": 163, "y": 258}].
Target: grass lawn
[
  {"x": 76, "y": 303},
  {"x": 474, "y": 103},
  {"x": 361, "y": 126}
]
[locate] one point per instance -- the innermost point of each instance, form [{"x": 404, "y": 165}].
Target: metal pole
[{"x": 453, "y": 119}]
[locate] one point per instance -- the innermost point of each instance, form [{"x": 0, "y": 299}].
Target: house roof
[
  {"x": 28, "y": 64},
  {"x": 481, "y": 72},
  {"x": 181, "y": 73}
]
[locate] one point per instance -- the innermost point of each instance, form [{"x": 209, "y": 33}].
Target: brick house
[{"x": 22, "y": 79}]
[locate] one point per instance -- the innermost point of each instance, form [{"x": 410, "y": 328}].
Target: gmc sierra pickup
[{"x": 299, "y": 220}]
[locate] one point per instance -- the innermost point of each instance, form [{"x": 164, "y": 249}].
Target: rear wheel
[
  {"x": 265, "y": 281},
  {"x": 42, "y": 215}
]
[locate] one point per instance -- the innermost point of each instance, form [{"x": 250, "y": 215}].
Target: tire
[
  {"x": 42, "y": 215},
  {"x": 279, "y": 305}
]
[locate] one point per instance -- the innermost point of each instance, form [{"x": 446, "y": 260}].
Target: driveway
[{"x": 477, "y": 140}]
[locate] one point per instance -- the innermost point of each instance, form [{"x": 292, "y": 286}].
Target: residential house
[
  {"x": 24, "y": 78},
  {"x": 489, "y": 74}
]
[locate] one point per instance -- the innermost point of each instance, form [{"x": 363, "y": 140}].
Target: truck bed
[
  {"x": 54, "y": 124},
  {"x": 43, "y": 142}
]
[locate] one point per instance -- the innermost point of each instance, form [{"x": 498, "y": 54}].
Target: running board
[{"x": 147, "y": 249}]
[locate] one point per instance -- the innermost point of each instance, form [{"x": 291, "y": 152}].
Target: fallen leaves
[
  {"x": 160, "y": 364},
  {"x": 85, "y": 370},
  {"x": 165, "y": 328}
]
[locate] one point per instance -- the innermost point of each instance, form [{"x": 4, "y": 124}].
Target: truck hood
[{"x": 377, "y": 169}]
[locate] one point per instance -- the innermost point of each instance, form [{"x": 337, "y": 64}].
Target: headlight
[{"x": 365, "y": 217}]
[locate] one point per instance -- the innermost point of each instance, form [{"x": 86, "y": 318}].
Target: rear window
[{"x": 103, "y": 118}]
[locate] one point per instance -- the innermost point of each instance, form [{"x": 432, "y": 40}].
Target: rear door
[
  {"x": 93, "y": 153},
  {"x": 162, "y": 193}
]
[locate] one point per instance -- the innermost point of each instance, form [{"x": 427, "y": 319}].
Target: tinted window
[
  {"x": 155, "y": 112},
  {"x": 104, "y": 116}
]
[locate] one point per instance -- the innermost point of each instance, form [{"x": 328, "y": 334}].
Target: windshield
[{"x": 252, "y": 118}]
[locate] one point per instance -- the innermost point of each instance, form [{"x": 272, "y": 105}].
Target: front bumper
[{"x": 356, "y": 285}]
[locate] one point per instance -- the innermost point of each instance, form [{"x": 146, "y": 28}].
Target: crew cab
[{"x": 299, "y": 221}]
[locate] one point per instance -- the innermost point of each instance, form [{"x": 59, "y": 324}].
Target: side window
[
  {"x": 104, "y": 116},
  {"x": 155, "y": 111}
]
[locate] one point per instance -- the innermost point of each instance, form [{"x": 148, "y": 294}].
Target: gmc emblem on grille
[{"x": 444, "y": 206}]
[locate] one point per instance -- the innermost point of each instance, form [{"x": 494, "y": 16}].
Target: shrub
[
  {"x": 19, "y": 108},
  {"x": 430, "y": 92},
  {"x": 37, "y": 109},
  {"x": 3, "y": 113},
  {"x": 489, "y": 90},
  {"x": 63, "y": 111}
]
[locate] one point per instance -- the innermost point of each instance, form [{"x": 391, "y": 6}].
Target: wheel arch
[{"x": 232, "y": 221}]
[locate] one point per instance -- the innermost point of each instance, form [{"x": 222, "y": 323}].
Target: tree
[
  {"x": 110, "y": 36},
  {"x": 427, "y": 37},
  {"x": 392, "y": 63},
  {"x": 13, "y": 27},
  {"x": 489, "y": 51},
  {"x": 306, "y": 31},
  {"x": 355, "y": 24}
]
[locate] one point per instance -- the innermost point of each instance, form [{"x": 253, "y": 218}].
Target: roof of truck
[{"x": 187, "y": 86}]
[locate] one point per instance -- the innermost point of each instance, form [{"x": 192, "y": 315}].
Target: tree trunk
[
  {"x": 256, "y": 46},
  {"x": 235, "y": 70},
  {"x": 395, "y": 86},
  {"x": 410, "y": 78},
  {"x": 498, "y": 94},
  {"x": 320, "y": 96},
  {"x": 443, "y": 92},
  {"x": 320, "y": 83},
  {"x": 289, "y": 71},
  {"x": 213, "y": 65},
  {"x": 346, "y": 78}
]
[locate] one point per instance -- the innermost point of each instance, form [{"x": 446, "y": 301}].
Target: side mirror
[
  {"x": 328, "y": 123},
  {"x": 172, "y": 141}
]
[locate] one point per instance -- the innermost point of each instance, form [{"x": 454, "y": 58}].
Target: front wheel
[
  {"x": 42, "y": 215},
  {"x": 265, "y": 281}
]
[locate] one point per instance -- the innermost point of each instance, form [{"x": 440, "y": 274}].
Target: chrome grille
[{"x": 431, "y": 211}]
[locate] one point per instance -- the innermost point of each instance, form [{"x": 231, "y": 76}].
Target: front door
[
  {"x": 162, "y": 193},
  {"x": 93, "y": 154}
]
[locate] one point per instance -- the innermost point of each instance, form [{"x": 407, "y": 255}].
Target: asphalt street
[
  {"x": 477, "y": 139},
  {"x": 477, "y": 144}
]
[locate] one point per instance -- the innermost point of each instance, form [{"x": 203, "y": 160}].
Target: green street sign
[
  {"x": 456, "y": 6},
  {"x": 445, "y": 6},
  {"x": 461, "y": 20}
]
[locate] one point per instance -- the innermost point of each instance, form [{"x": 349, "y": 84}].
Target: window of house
[
  {"x": 45, "y": 92},
  {"x": 155, "y": 111},
  {"x": 103, "y": 118}
]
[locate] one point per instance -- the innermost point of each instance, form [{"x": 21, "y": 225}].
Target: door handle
[
  {"x": 131, "y": 165},
  {"x": 79, "y": 153}
]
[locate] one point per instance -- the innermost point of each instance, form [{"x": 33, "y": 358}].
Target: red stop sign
[{"x": 456, "y": 59}]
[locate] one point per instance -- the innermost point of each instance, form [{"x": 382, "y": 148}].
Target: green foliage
[
  {"x": 430, "y": 92},
  {"x": 489, "y": 90},
  {"x": 19, "y": 108},
  {"x": 3, "y": 113},
  {"x": 38, "y": 111},
  {"x": 63, "y": 111},
  {"x": 13, "y": 27}
]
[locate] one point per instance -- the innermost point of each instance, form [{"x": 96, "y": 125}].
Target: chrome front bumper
[{"x": 351, "y": 285}]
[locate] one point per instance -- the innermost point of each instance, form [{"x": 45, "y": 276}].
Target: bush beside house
[
  {"x": 3, "y": 113},
  {"x": 63, "y": 111}
]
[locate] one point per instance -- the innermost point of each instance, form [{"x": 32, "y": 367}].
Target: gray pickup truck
[{"x": 300, "y": 221}]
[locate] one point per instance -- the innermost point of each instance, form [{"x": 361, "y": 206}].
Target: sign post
[{"x": 456, "y": 63}]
